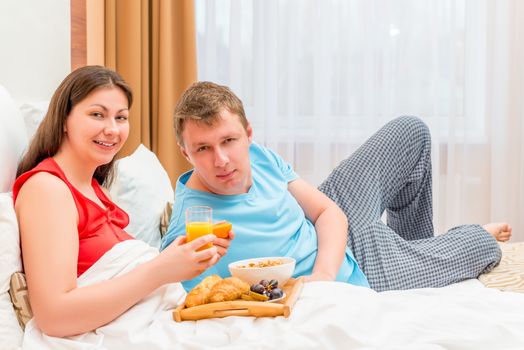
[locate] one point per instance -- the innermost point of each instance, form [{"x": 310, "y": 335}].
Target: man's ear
[
  {"x": 249, "y": 131},
  {"x": 184, "y": 153}
]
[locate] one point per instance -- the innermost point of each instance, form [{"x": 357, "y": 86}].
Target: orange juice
[{"x": 197, "y": 229}]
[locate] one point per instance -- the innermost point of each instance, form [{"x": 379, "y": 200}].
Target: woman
[{"x": 67, "y": 221}]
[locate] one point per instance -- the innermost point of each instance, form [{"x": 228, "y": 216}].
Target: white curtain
[{"x": 319, "y": 77}]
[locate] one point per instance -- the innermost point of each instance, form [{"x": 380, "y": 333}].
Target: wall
[{"x": 34, "y": 47}]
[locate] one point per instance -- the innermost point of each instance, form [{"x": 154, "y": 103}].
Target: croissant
[
  {"x": 200, "y": 293},
  {"x": 230, "y": 288}
]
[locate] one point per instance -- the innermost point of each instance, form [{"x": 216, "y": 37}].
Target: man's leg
[
  {"x": 392, "y": 263},
  {"x": 392, "y": 171}
]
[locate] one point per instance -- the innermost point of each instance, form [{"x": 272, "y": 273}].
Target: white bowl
[{"x": 282, "y": 272}]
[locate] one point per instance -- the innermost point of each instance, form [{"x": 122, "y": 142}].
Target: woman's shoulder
[
  {"x": 43, "y": 178},
  {"x": 43, "y": 186},
  {"x": 47, "y": 166},
  {"x": 43, "y": 198}
]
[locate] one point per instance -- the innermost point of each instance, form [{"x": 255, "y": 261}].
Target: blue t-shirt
[{"x": 267, "y": 220}]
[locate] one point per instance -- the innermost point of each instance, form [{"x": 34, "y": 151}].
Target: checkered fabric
[{"x": 392, "y": 172}]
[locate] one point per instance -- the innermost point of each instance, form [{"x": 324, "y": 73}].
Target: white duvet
[{"x": 328, "y": 315}]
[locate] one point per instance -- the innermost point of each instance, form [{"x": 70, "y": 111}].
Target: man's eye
[
  {"x": 201, "y": 149},
  {"x": 229, "y": 140}
]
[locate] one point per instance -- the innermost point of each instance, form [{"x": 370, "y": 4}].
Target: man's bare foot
[{"x": 500, "y": 230}]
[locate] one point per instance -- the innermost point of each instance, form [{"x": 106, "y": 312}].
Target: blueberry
[
  {"x": 276, "y": 293},
  {"x": 265, "y": 283},
  {"x": 258, "y": 288}
]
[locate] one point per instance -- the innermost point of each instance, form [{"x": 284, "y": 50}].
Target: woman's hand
[
  {"x": 223, "y": 244},
  {"x": 181, "y": 261}
]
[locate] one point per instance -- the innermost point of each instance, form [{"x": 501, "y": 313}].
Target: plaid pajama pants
[{"x": 392, "y": 172}]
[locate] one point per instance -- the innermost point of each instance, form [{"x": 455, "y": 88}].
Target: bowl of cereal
[{"x": 254, "y": 270}]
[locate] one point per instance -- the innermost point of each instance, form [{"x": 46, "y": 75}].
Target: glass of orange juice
[{"x": 199, "y": 222}]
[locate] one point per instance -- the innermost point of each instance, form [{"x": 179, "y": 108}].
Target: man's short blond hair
[{"x": 202, "y": 102}]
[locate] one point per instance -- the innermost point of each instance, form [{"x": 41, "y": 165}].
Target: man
[{"x": 275, "y": 213}]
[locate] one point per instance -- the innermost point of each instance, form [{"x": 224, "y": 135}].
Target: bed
[{"x": 484, "y": 313}]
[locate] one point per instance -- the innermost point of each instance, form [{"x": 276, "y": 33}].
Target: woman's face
[{"x": 97, "y": 127}]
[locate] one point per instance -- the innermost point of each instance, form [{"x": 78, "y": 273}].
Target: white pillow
[
  {"x": 10, "y": 262},
  {"x": 13, "y": 140},
  {"x": 32, "y": 114},
  {"x": 10, "y": 331},
  {"x": 10, "y": 258},
  {"x": 142, "y": 188}
]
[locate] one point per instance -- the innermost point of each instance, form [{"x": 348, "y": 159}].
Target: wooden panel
[{"x": 78, "y": 34}]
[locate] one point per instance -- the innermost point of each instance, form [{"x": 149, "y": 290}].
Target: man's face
[{"x": 219, "y": 154}]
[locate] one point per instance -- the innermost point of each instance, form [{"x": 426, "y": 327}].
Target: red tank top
[{"x": 98, "y": 229}]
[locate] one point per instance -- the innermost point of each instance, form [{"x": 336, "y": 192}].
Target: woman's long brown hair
[{"x": 73, "y": 89}]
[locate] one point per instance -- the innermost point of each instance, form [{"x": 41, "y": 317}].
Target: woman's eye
[
  {"x": 122, "y": 118},
  {"x": 97, "y": 114}
]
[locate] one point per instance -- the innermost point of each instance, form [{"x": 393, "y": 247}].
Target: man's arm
[{"x": 331, "y": 225}]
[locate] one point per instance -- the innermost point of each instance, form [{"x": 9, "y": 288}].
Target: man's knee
[{"x": 414, "y": 127}]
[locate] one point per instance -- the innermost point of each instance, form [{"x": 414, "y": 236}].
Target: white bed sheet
[{"x": 328, "y": 315}]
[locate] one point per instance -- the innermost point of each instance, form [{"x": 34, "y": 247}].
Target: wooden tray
[{"x": 242, "y": 307}]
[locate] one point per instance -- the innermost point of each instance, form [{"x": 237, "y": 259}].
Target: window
[{"x": 321, "y": 76}]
